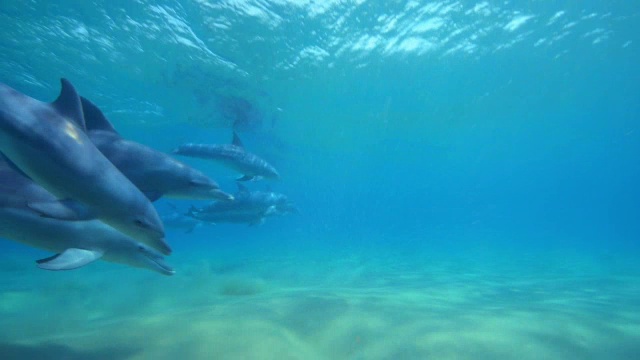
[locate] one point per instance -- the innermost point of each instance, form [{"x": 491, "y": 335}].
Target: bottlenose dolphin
[
  {"x": 47, "y": 142},
  {"x": 251, "y": 207},
  {"x": 233, "y": 156},
  {"x": 77, "y": 242},
  {"x": 156, "y": 174}
]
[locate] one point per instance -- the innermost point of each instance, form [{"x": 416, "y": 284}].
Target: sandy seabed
[{"x": 344, "y": 304}]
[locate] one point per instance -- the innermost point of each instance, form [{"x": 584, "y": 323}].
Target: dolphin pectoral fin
[
  {"x": 69, "y": 259},
  {"x": 61, "y": 210},
  {"x": 245, "y": 178}
]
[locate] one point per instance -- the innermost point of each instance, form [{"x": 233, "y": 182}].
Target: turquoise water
[{"x": 467, "y": 175}]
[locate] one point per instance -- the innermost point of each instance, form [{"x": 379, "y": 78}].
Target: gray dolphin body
[
  {"x": 156, "y": 174},
  {"x": 250, "y": 207},
  {"x": 47, "y": 142},
  {"x": 233, "y": 156},
  {"x": 14, "y": 185},
  {"x": 77, "y": 242}
]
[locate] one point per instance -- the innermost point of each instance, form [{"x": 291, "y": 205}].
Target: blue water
[{"x": 467, "y": 174}]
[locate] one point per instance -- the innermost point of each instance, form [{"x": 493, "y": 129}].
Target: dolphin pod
[
  {"x": 47, "y": 141},
  {"x": 70, "y": 184}
]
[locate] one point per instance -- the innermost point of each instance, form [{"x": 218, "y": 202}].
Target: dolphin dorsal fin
[
  {"x": 236, "y": 140},
  {"x": 94, "y": 118},
  {"x": 242, "y": 188},
  {"x": 68, "y": 104}
]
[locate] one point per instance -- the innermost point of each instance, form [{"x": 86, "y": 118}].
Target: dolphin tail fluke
[{"x": 69, "y": 259}]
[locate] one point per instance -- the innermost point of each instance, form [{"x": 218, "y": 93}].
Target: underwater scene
[{"x": 319, "y": 179}]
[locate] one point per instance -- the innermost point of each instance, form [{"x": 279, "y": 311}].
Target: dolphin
[
  {"x": 156, "y": 174},
  {"x": 47, "y": 142},
  {"x": 76, "y": 242},
  {"x": 251, "y": 207},
  {"x": 233, "y": 156}
]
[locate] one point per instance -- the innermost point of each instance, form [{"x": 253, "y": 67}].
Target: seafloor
[{"x": 300, "y": 299}]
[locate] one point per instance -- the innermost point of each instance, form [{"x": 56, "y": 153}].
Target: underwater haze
[{"x": 467, "y": 176}]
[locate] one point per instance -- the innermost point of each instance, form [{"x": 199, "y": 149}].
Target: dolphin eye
[{"x": 140, "y": 223}]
